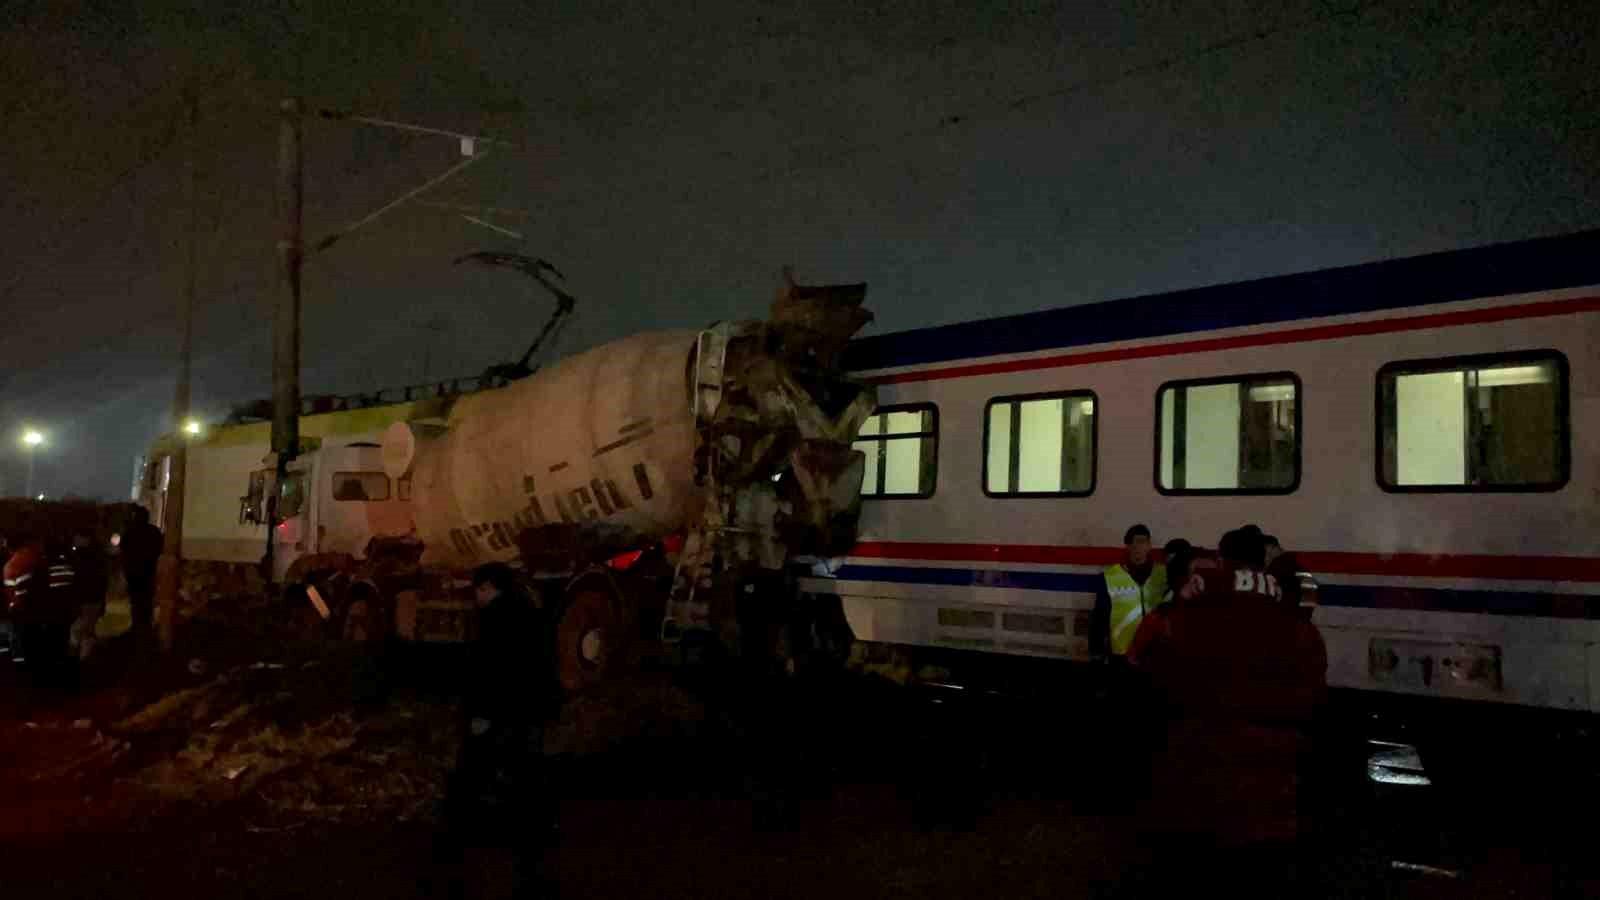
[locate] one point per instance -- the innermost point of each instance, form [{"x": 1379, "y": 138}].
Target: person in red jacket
[
  {"x": 41, "y": 602},
  {"x": 1242, "y": 676}
]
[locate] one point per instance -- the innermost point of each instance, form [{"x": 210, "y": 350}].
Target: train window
[
  {"x": 1238, "y": 435},
  {"x": 1040, "y": 445},
  {"x": 1485, "y": 423},
  {"x": 360, "y": 486},
  {"x": 902, "y": 448}
]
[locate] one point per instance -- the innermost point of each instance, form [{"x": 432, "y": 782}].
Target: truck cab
[{"x": 333, "y": 501}]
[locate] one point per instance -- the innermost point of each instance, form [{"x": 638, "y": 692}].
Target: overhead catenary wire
[
  {"x": 949, "y": 122},
  {"x": 944, "y": 124},
  {"x": 430, "y": 184},
  {"x": 492, "y": 227},
  {"x": 165, "y": 315},
  {"x": 474, "y": 208},
  {"x": 344, "y": 116}
]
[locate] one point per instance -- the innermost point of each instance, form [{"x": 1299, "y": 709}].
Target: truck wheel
[
  {"x": 367, "y": 618},
  {"x": 303, "y": 616},
  {"x": 594, "y": 642}
]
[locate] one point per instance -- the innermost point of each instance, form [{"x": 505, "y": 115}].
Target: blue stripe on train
[
  {"x": 1497, "y": 603},
  {"x": 1515, "y": 268},
  {"x": 1493, "y": 603}
]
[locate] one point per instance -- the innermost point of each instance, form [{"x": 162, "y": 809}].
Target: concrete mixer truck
[{"x": 656, "y": 486}]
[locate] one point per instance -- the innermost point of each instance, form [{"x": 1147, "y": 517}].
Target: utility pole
[
  {"x": 292, "y": 251},
  {"x": 169, "y": 569},
  {"x": 286, "y": 315}
]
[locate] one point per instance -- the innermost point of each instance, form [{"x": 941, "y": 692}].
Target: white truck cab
[{"x": 334, "y": 500}]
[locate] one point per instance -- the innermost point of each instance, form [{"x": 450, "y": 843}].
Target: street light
[
  {"x": 32, "y": 440},
  {"x": 191, "y": 428}
]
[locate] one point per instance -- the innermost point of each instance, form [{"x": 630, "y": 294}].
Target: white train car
[{"x": 1424, "y": 433}]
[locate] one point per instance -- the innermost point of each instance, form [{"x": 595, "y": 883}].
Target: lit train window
[
  {"x": 1238, "y": 435},
  {"x": 1486, "y": 423},
  {"x": 1040, "y": 445},
  {"x": 902, "y": 448}
]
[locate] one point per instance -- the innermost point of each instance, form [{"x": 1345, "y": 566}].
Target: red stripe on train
[
  {"x": 1418, "y": 565},
  {"x": 1287, "y": 336},
  {"x": 997, "y": 553}
]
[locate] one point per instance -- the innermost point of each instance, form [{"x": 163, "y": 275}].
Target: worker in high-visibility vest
[{"x": 1126, "y": 592}]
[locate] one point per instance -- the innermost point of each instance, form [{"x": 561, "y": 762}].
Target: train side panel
[{"x": 1480, "y": 596}]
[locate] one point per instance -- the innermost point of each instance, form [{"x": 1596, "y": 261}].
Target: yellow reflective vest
[{"x": 1130, "y": 601}]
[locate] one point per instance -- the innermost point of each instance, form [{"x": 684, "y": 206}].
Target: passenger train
[{"x": 1423, "y": 433}]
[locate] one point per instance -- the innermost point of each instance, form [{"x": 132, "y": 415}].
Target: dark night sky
[{"x": 963, "y": 159}]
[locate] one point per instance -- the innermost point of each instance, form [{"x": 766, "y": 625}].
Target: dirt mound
[
  {"x": 286, "y": 738},
  {"x": 609, "y": 716}
]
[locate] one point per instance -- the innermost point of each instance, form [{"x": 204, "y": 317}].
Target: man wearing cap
[{"x": 1127, "y": 591}]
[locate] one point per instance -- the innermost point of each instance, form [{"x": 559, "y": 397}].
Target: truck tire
[
  {"x": 595, "y": 641},
  {"x": 304, "y": 618},
  {"x": 367, "y": 618}
]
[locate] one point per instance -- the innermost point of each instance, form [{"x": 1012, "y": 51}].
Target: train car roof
[{"x": 1512, "y": 268}]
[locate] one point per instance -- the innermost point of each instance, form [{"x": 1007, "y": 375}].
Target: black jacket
[
  {"x": 141, "y": 547},
  {"x": 512, "y": 676}
]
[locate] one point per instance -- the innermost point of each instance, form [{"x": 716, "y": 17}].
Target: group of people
[
  {"x": 1140, "y": 584},
  {"x": 1221, "y": 648},
  {"x": 55, "y": 590}
]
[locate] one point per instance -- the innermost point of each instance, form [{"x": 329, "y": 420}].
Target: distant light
[
  {"x": 116, "y": 540},
  {"x": 32, "y": 438},
  {"x": 191, "y": 427},
  {"x": 40, "y": 497}
]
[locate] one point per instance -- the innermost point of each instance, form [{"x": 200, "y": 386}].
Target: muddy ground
[{"x": 248, "y": 764}]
